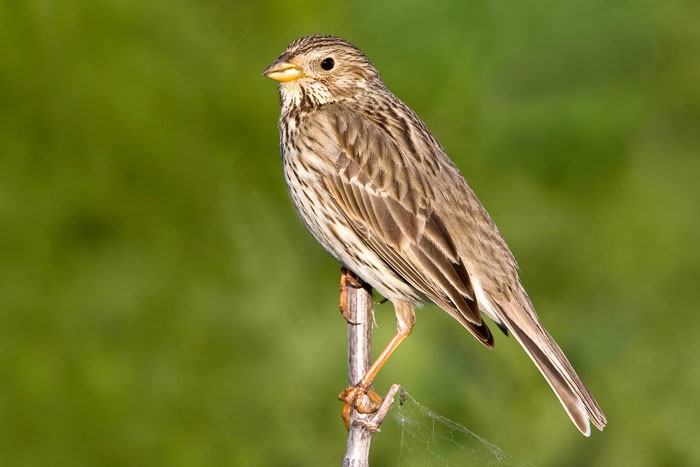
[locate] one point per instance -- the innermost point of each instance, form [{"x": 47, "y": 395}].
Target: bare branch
[{"x": 359, "y": 311}]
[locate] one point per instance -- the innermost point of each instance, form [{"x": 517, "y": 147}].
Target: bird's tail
[{"x": 553, "y": 364}]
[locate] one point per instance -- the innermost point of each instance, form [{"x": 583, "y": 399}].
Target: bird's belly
[{"x": 331, "y": 229}]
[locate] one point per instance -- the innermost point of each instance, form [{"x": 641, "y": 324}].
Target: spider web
[{"x": 429, "y": 439}]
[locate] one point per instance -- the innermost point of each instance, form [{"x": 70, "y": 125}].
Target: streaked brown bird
[{"x": 380, "y": 194}]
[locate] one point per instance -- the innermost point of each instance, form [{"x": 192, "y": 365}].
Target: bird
[{"x": 377, "y": 190}]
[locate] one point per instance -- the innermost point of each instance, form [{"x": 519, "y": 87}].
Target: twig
[{"x": 362, "y": 426}]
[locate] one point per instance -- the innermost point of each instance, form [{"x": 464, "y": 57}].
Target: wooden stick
[{"x": 360, "y": 305}]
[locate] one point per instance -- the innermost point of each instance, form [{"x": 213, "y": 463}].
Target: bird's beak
[{"x": 283, "y": 71}]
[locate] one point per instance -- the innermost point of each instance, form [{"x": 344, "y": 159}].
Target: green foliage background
[{"x": 160, "y": 304}]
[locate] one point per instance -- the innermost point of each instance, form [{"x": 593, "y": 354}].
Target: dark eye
[{"x": 328, "y": 64}]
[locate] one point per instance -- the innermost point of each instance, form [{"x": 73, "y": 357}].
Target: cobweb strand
[{"x": 429, "y": 439}]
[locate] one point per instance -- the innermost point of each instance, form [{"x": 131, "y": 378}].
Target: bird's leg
[
  {"x": 347, "y": 279},
  {"x": 353, "y": 396}
]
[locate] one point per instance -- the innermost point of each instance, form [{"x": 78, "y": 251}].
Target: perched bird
[{"x": 379, "y": 193}]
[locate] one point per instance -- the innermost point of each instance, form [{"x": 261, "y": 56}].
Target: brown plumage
[{"x": 379, "y": 193}]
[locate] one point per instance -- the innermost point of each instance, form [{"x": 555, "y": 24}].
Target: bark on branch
[{"x": 362, "y": 426}]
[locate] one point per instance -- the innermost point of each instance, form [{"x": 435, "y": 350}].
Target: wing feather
[{"x": 402, "y": 229}]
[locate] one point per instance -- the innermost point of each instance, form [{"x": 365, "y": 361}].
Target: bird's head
[{"x": 321, "y": 69}]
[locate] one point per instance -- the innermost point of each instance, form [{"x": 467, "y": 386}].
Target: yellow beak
[{"x": 283, "y": 71}]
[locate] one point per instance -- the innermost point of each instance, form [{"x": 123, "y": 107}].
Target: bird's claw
[
  {"x": 364, "y": 400},
  {"x": 347, "y": 279}
]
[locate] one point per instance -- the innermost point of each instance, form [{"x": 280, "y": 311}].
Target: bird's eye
[{"x": 328, "y": 64}]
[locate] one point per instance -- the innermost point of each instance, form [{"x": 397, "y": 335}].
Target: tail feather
[{"x": 577, "y": 400}]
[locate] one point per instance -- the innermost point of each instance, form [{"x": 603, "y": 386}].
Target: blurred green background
[{"x": 160, "y": 303}]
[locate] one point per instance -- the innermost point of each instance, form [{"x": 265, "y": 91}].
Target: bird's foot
[
  {"x": 347, "y": 279},
  {"x": 364, "y": 400}
]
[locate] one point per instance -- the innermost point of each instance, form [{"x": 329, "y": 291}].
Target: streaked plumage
[{"x": 379, "y": 193}]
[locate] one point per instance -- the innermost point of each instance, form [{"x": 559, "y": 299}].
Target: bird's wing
[{"x": 388, "y": 203}]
